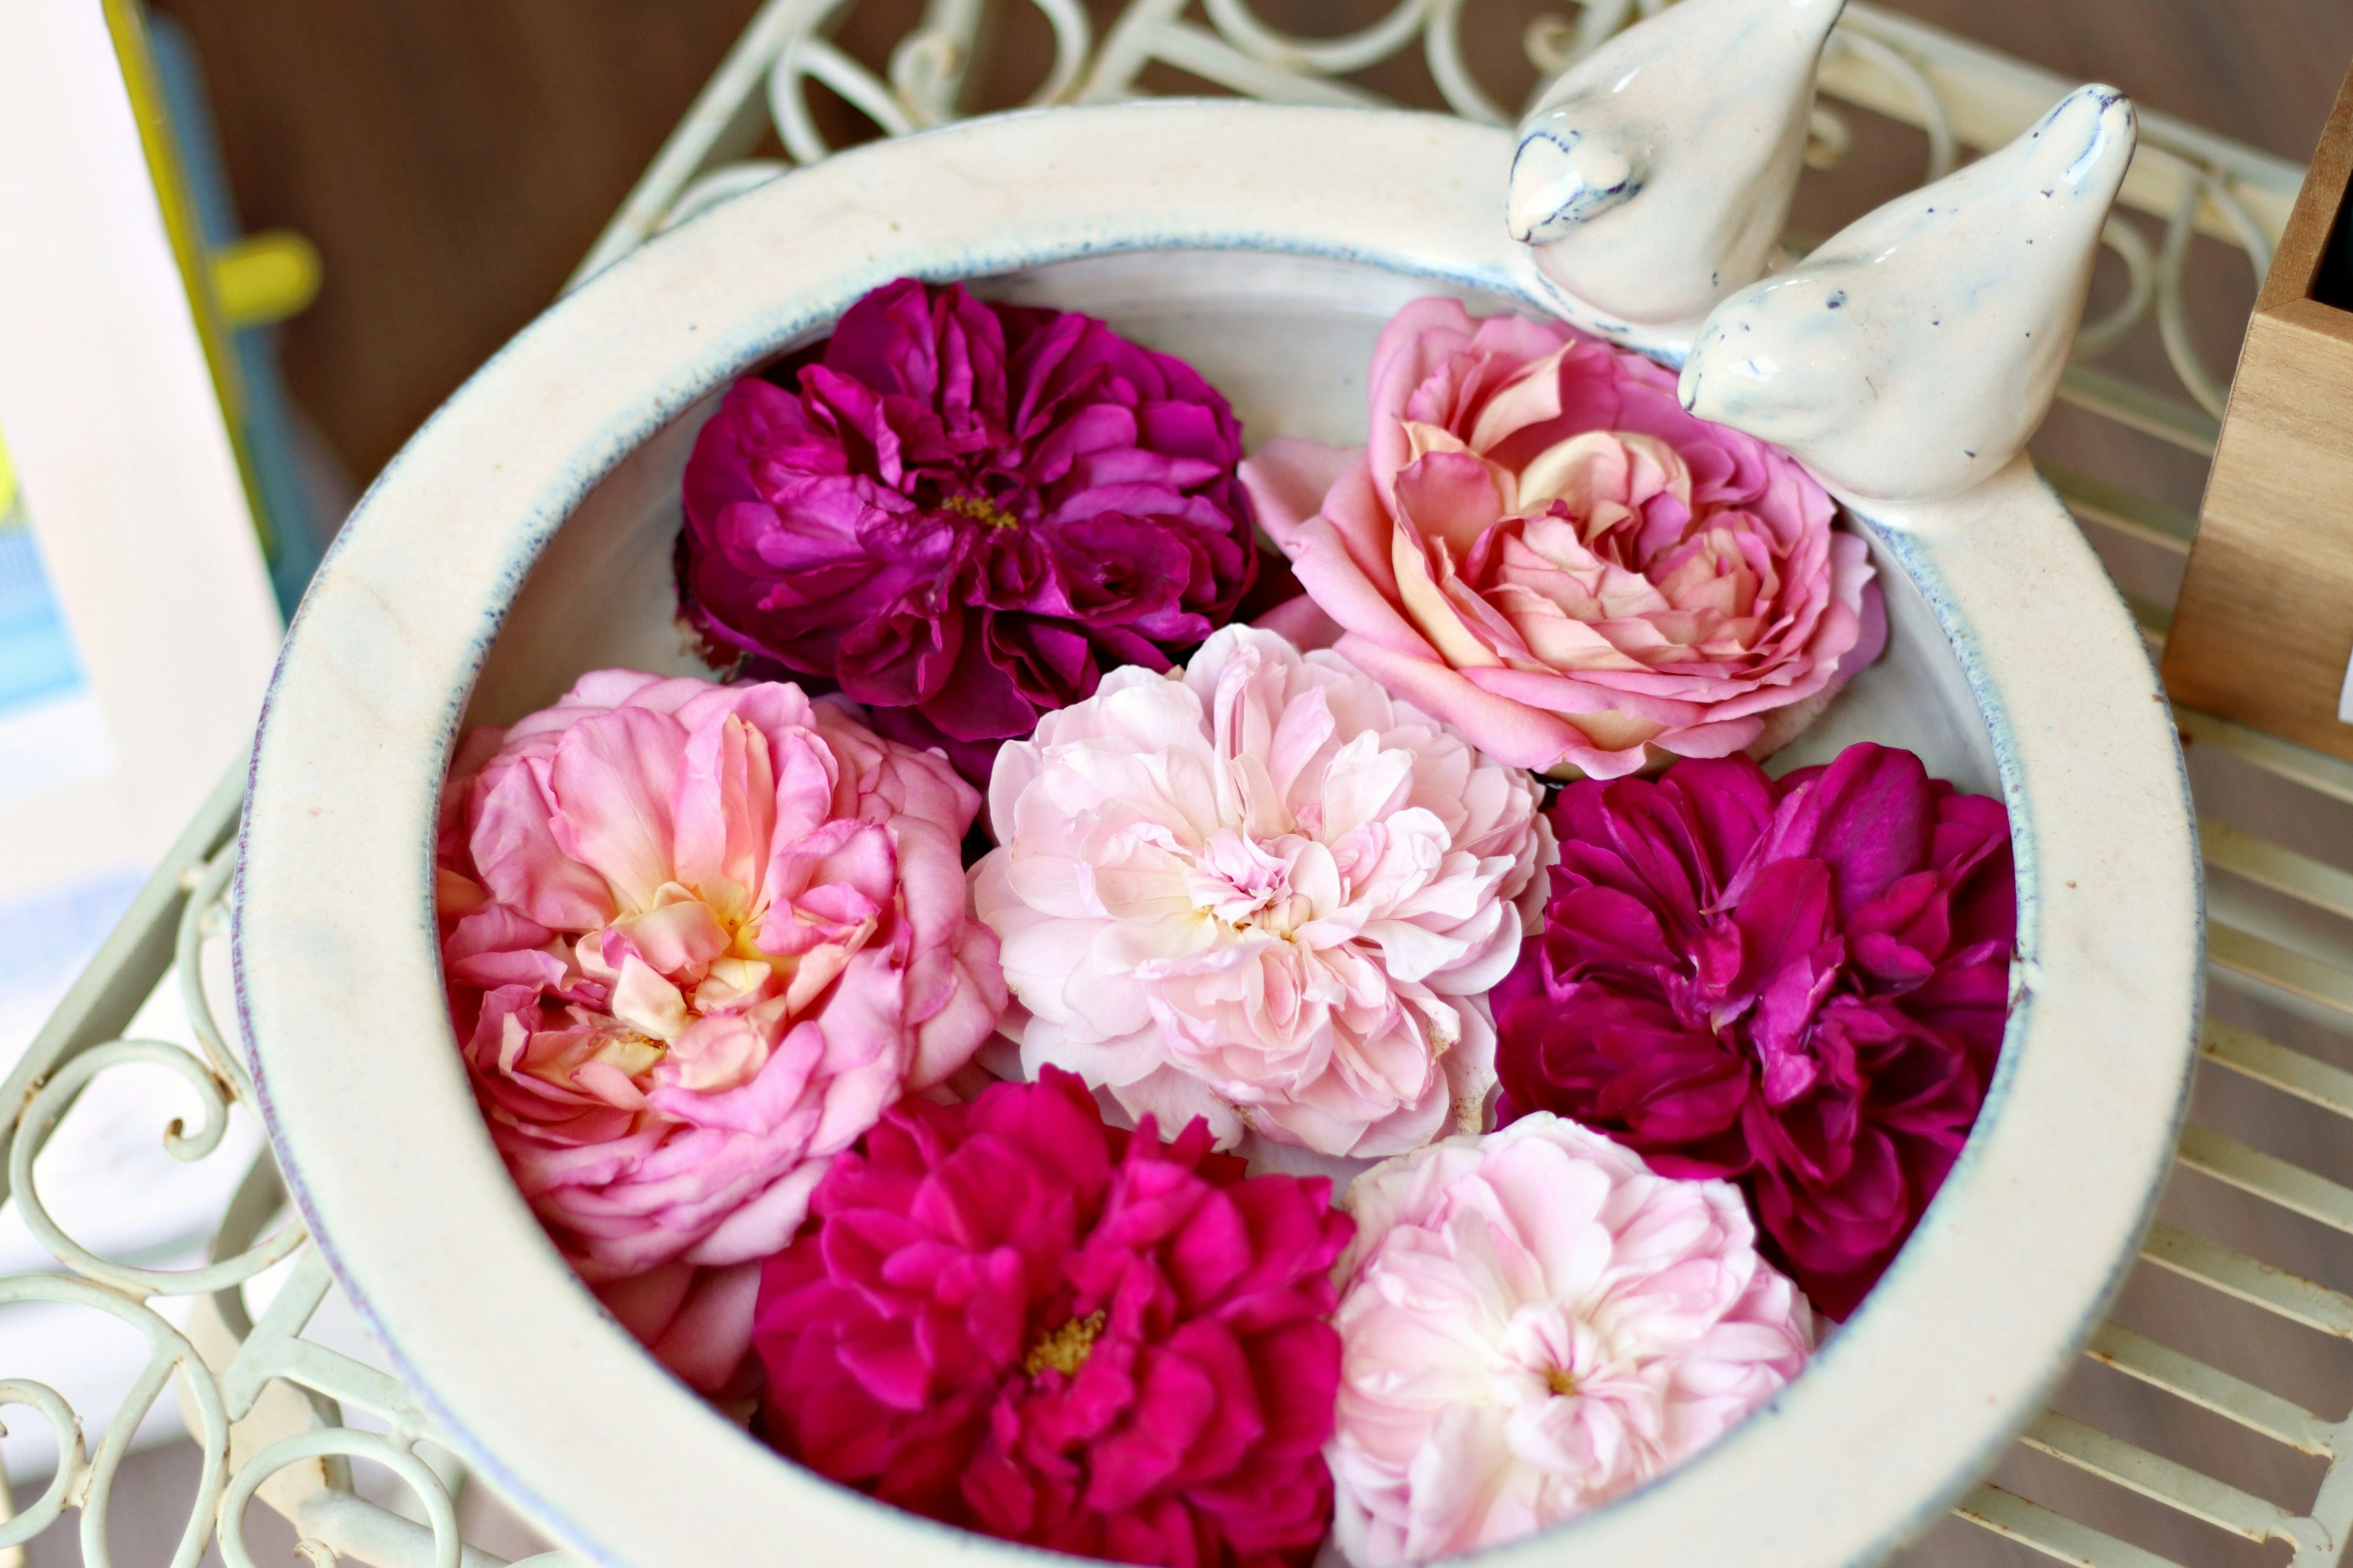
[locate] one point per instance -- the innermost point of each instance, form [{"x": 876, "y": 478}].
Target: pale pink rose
[
  {"x": 1541, "y": 544},
  {"x": 696, "y": 939},
  {"x": 1533, "y": 1322},
  {"x": 1265, "y": 892}
]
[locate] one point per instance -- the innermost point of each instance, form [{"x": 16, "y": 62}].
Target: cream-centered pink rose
[
  {"x": 1541, "y": 544},
  {"x": 1264, "y": 891},
  {"x": 1531, "y": 1324},
  {"x": 698, "y": 938}
]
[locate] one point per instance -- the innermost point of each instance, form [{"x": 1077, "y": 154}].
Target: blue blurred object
[
  {"x": 37, "y": 648},
  {"x": 297, "y": 534},
  {"x": 46, "y": 937}
]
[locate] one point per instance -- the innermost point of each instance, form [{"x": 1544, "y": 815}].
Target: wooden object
[
  {"x": 2263, "y": 629},
  {"x": 452, "y": 160}
]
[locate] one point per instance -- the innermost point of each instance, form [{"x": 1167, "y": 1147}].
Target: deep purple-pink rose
[
  {"x": 963, "y": 513},
  {"x": 1012, "y": 1318},
  {"x": 1799, "y": 984}
]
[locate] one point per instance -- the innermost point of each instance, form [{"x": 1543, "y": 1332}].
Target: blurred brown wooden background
[{"x": 453, "y": 159}]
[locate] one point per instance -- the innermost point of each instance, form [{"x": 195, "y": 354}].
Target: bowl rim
[{"x": 331, "y": 912}]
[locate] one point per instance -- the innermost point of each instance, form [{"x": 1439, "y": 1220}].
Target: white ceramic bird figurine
[
  {"x": 1653, "y": 177},
  {"x": 1916, "y": 350}
]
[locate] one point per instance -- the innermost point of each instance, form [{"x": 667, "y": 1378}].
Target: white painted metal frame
[{"x": 267, "y": 1405}]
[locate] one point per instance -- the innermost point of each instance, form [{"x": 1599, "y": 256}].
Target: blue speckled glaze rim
[
  {"x": 752, "y": 339},
  {"x": 1929, "y": 577}
]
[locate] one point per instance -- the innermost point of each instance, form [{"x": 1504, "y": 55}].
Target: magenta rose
[
  {"x": 1012, "y": 1318},
  {"x": 1541, "y": 544},
  {"x": 697, "y": 938},
  {"x": 1799, "y": 984},
  {"x": 962, "y": 513}
]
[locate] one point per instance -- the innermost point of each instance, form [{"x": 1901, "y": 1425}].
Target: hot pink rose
[
  {"x": 1541, "y": 544},
  {"x": 696, "y": 939},
  {"x": 1531, "y": 1324},
  {"x": 1265, "y": 893},
  {"x": 1011, "y": 1317}
]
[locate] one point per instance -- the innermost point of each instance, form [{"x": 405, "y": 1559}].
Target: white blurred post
[{"x": 124, "y": 457}]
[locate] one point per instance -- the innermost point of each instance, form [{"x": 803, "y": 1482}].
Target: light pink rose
[
  {"x": 1533, "y": 1322},
  {"x": 1539, "y": 543},
  {"x": 1265, "y": 892},
  {"x": 696, "y": 939}
]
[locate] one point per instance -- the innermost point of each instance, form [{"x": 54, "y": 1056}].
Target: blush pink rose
[
  {"x": 696, "y": 939},
  {"x": 1541, "y": 544},
  {"x": 1531, "y": 1324},
  {"x": 1263, "y": 892}
]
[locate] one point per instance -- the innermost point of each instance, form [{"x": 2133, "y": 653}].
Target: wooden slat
[
  {"x": 2156, "y": 1478},
  {"x": 2315, "y": 770},
  {"x": 2244, "y": 1278},
  {"x": 2112, "y": 506},
  {"x": 2134, "y": 406},
  {"x": 2279, "y": 968},
  {"x": 2308, "y": 881},
  {"x": 2290, "y": 1072},
  {"x": 2268, "y": 1178},
  {"x": 2053, "y": 1534},
  {"x": 2211, "y": 1388}
]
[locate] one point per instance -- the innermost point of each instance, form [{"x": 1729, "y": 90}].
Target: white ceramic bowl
[{"x": 524, "y": 536}]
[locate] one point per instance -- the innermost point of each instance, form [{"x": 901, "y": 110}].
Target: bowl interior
[{"x": 1287, "y": 339}]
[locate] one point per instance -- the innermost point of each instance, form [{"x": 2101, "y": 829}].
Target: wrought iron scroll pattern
[
  {"x": 1963, "y": 98},
  {"x": 266, "y": 1406}
]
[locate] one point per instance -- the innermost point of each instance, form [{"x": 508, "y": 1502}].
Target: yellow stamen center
[
  {"x": 1066, "y": 1349},
  {"x": 1560, "y": 1382},
  {"x": 980, "y": 508},
  {"x": 633, "y": 1053}
]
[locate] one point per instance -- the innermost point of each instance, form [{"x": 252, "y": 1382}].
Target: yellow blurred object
[
  {"x": 7, "y": 481},
  {"x": 265, "y": 278},
  {"x": 126, "y": 23}
]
